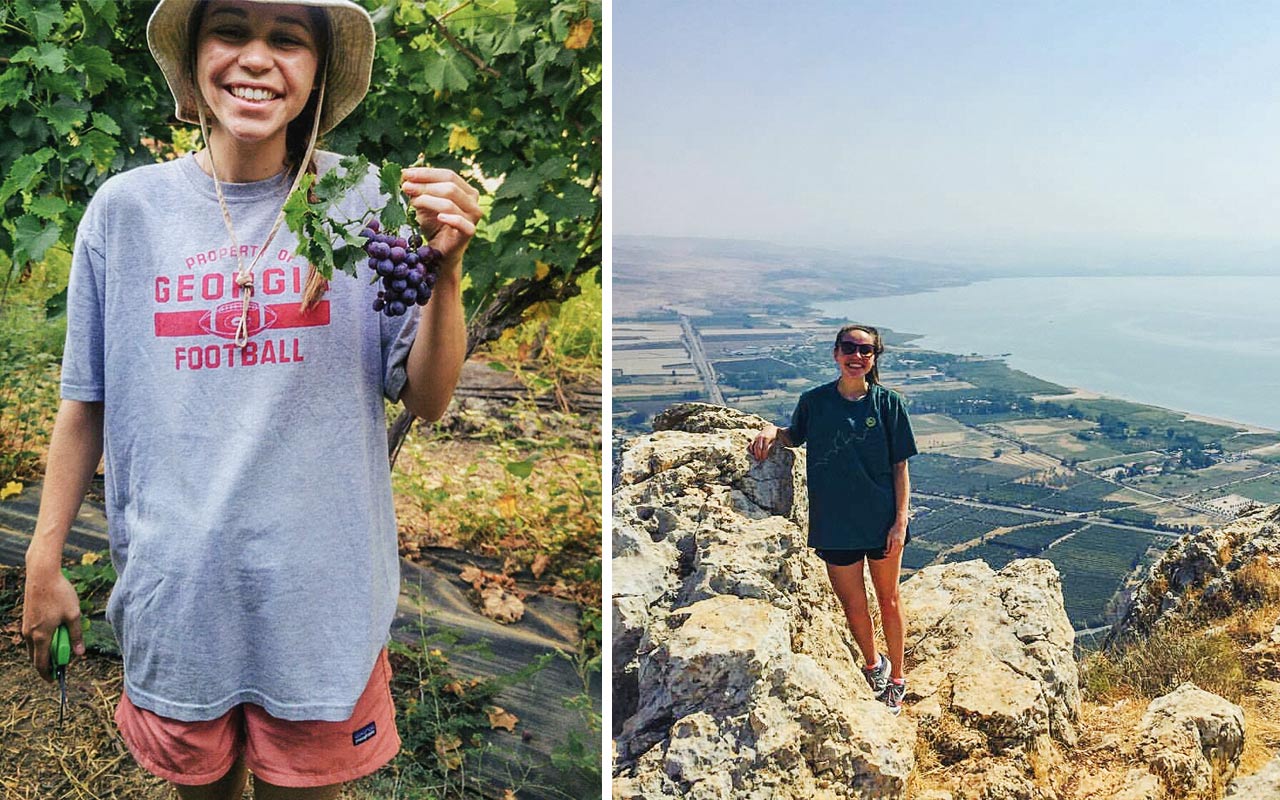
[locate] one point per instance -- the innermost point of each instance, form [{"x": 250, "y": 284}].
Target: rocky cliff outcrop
[
  {"x": 1207, "y": 575},
  {"x": 734, "y": 673}
]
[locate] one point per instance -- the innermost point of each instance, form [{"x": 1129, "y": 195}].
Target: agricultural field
[
  {"x": 1177, "y": 484},
  {"x": 946, "y": 524},
  {"x": 1123, "y": 460},
  {"x": 1035, "y": 539},
  {"x": 1061, "y": 438},
  {"x": 1264, "y": 489},
  {"x": 1244, "y": 442},
  {"x": 1094, "y": 563},
  {"x": 999, "y": 376}
]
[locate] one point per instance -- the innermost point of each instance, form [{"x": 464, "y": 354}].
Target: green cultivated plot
[
  {"x": 1124, "y": 460},
  {"x": 1034, "y": 539},
  {"x": 1158, "y": 420},
  {"x": 952, "y": 475},
  {"x": 1220, "y": 478},
  {"x": 1081, "y": 447},
  {"x": 1248, "y": 441},
  {"x": 1000, "y": 376},
  {"x": 1093, "y": 563},
  {"x": 1264, "y": 490},
  {"x": 944, "y": 524},
  {"x": 993, "y": 552}
]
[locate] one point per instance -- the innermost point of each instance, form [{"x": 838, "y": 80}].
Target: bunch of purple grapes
[{"x": 407, "y": 268}]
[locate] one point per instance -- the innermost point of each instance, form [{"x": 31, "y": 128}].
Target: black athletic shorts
[{"x": 844, "y": 558}]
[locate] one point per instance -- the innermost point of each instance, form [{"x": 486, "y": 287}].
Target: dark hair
[{"x": 873, "y": 375}]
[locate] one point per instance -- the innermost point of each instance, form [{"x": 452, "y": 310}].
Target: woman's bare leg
[
  {"x": 228, "y": 787},
  {"x": 884, "y": 577},
  {"x": 851, "y": 588},
  {"x": 266, "y": 791}
]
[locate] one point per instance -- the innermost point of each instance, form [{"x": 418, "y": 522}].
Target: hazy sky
[{"x": 1034, "y": 132}]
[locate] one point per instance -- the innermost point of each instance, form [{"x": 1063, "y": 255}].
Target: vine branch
[{"x": 457, "y": 45}]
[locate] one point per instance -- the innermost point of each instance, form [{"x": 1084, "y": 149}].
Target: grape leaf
[
  {"x": 32, "y": 238},
  {"x": 104, "y": 8},
  {"x": 13, "y": 87},
  {"x": 48, "y": 207},
  {"x": 105, "y": 123},
  {"x": 56, "y": 306},
  {"x": 24, "y": 172},
  {"x": 63, "y": 116},
  {"x": 97, "y": 65},
  {"x": 49, "y": 56},
  {"x": 393, "y": 214},
  {"x": 42, "y": 14},
  {"x": 442, "y": 74},
  {"x": 296, "y": 208}
]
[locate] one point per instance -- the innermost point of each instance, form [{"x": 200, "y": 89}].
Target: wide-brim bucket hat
[{"x": 349, "y": 61}]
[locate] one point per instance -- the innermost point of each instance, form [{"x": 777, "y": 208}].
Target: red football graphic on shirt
[{"x": 225, "y": 319}]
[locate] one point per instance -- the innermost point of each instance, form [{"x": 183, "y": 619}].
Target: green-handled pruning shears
[{"x": 59, "y": 657}]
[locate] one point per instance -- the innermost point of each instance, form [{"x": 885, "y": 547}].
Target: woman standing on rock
[{"x": 858, "y": 440}]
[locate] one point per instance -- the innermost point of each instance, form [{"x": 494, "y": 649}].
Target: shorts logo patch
[{"x": 364, "y": 734}]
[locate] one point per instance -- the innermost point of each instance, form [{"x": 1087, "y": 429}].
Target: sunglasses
[{"x": 848, "y": 348}]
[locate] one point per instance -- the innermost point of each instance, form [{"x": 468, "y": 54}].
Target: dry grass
[
  {"x": 1261, "y": 725},
  {"x": 1170, "y": 656},
  {"x": 85, "y": 759},
  {"x": 1257, "y": 583}
]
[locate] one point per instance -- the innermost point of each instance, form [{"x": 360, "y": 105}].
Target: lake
[{"x": 1204, "y": 345}]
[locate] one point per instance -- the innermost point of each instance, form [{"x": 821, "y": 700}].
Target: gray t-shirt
[{"x": 248, "y": 492}]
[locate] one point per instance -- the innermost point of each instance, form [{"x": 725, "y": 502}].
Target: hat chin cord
[{"x": 244, "y": 275}]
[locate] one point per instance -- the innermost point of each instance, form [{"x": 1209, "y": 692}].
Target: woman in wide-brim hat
[{"x": 241, "y": 401}]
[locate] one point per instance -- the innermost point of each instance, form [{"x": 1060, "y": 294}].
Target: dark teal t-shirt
[{"x": 852, "y": 446}]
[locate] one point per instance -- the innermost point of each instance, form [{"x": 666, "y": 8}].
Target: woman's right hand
[
  {"x": 49, "y": 601},
  {"x": 762, "y": 445}
]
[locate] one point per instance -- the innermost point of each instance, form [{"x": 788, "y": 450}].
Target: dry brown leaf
[
  {"x": 500, "y": 605},
  {"x": 447, "y": 746},
  {"x": 501, "y": 718},
  {"x": 507, "y": 794},
  {"x": 473, "y": 576},
  {"x": 455, "y": 687},
  {"x": 579, "y": 35},
  {"x": 540, "y": 564}
]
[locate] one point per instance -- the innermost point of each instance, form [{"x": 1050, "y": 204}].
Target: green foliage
[
  {"x": 492, "y": 89},
  {"x": 92, "y": 578},
  {"x": 77, "y": 96},
  {"x": 506, "y": 93},
  {"x": 323, "y": 239},
  {"x": 442, "y": 718},
  {"x": 29, "y": 348}
]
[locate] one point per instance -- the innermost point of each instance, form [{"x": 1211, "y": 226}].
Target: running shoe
[
  {"x": 878, "y": 676},
  {"x": 893, "y": 697}
]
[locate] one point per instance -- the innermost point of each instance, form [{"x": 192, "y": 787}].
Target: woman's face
[
  {"x": 855, "y": 365},
  {"x": 255, "y": 66}
]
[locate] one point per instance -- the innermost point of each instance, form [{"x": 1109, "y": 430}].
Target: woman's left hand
[
  {"x": 447, "y": 209},
  {"x": 896, "y": 539}
]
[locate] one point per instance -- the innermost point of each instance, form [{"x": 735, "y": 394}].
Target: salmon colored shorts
[{"x": 281, "y": 752}]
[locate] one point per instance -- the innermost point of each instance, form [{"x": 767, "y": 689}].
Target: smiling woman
[
  {"x": 194, "y": 516},
  {"x": 256, "y": 68}
]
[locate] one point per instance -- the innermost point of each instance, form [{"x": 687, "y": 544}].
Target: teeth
[{"x": 245, "y": 93}]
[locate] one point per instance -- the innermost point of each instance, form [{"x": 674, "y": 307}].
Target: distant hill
[{"x": 716, "y": 275}]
